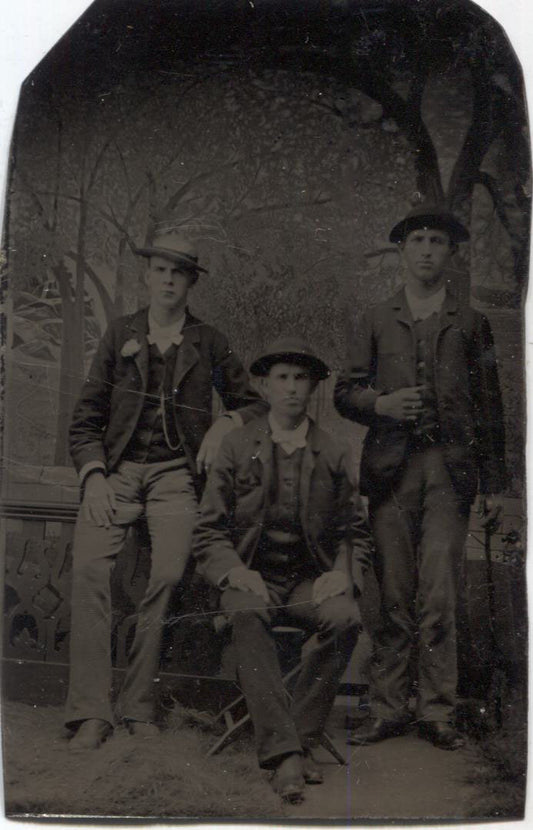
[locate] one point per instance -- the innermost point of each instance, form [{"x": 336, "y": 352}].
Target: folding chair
[{"x": 235, "y": 715}]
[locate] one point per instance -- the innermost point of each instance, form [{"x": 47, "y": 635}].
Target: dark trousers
[
  {"x": 419, "y": 532},
  {"x": 280, "y": 726},
  {"x": 164, "y": 492}
]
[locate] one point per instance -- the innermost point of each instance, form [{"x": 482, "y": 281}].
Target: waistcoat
[
  {"x": 427, "y": 426},
  {"x": 149, "y": 443}
]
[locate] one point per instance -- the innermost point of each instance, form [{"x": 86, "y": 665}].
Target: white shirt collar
[
  {"x": 290, "y": 439},
  {"x": 164, "y": 336},
  {"x": 422, "y": 307}
]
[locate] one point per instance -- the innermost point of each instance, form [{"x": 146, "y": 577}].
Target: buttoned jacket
[
  {"x": 382, "y": 359},
  {"x": 111, "y": 400},
  {"x": 234, "y": 505}
]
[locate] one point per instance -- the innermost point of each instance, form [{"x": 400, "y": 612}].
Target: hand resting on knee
[{"x": 243, "y": 579}]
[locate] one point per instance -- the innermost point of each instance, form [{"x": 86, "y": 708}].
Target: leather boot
[{"x": 378, "y": 729}]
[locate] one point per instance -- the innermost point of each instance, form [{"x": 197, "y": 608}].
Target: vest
[
  {"x": 282, "y": 552},
  {"x": 427, "y": 426},
  {"x": 150, "y": 441}
]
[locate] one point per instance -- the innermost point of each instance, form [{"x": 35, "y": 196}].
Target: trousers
[
  {"x": 280, "y": 726},
  {"x": 419, "y": 532},
  {"x": 164, "y": 493}
]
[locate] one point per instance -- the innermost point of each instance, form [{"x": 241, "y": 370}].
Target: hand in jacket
[
  {"x": 99, "y": 502},
  {"x": 243, "y": 579},
  {"x": 329, "y": 584},
  {"x": 403, "y": 405}
]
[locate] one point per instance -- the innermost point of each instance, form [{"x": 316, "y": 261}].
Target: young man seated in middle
[{"x": 282, "y": 533}]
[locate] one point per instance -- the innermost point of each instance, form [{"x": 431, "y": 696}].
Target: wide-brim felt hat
[
  {"x": 429, "y": 216},
  {"x": 176, "y": 247},
  {"x": 289, "y": 350}
]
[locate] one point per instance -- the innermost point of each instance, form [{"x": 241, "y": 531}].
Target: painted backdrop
[{"x": 288, "y": 141}]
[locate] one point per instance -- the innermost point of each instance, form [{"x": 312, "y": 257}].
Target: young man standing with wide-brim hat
[
  {"x": 421, "y": 374},
  {"x": 283, "y": 535},
  {"x": 141, "y": 439}
]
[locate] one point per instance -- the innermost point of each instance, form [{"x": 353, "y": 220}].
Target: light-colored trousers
[{"x": 164, "y": 493}]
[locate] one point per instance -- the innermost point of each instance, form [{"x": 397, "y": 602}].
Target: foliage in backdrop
[{"x": 288, "y": 147}]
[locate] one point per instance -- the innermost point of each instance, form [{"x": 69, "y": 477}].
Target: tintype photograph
[{"x": 263, "y": 440}]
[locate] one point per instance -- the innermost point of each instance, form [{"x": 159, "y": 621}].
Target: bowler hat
[
  {"x": 289, "y": 350},
  {"x": 176, "y": 247},
  {"x": 430, "y": 216}
]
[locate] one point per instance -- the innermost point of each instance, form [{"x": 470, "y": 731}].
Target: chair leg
[
  {"x": 327, "y": 743},
  {"x": 325, "y": 740},
  {"x": 223, "y": 714},
  {"x": 234, "y": 728},
  {"x": 229, "y": 735}
]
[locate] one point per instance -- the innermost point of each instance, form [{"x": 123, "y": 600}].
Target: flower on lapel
[{"x": 130, "y": 348}]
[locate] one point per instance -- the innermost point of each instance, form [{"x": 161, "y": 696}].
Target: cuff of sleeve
[
  {"x": 88, "y": 468},
  {"x": 223, "y": 582},
  {"x": 235, "y": 416},
  {"x": 367, "y": 399}
]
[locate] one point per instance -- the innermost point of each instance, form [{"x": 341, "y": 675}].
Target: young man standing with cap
[
  {"x": 283, "y": 534},
  {"x": 141, "y": 439},
  {"x": 422, "y": 375}
]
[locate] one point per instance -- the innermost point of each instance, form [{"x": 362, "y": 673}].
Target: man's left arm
[
  {"x": 489, "y": 421},
  {"x": 352, "y": 539},
  {"x": 241, "y": 400}
]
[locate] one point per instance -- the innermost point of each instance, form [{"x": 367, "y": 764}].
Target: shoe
[
  {"x": 91, "y": 734},
  {"x": 378, "y": 730},
  {"x": 142, "y": 729},
  {"x": 288, "y": 780},
  {"x": 311, "y": 772},
  {"x": 441, "y": 734}
]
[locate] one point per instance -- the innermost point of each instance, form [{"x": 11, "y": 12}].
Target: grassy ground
[
  {"x": 164, "y": 777},
  {"x": 498, "y": 771},
  {"x": 499, "y": 776},
  {"x": 170, "y": 776}
]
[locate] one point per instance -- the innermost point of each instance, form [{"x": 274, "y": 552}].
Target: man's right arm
[
  {"x": 89, "y": 422},
  {"x": 213, "y": 547},
  {"x": 355, "y": 396},
  {"x": 91, "y": 413}
]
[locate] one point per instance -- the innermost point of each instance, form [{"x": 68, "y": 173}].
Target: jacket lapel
[
  {"x": 403, "y": 314},
  {"x": 401, "y": 309},
  {"x": 308, "y": 465},
  {"x": 263, "y": 453},
  {"x": 187, "y": 355},
  {"x": 447, "y": 317},
  {"x": 138, "y": 328},
  {"x": 448, "y": 311}
]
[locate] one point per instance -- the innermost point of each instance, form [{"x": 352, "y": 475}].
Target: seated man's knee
[
  {"x": 243, "y": 607},
  {"x": 168, "y": 577},
  {"x": 340, "y": 613}
]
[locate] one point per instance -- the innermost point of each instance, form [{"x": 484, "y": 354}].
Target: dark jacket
[
  {"x": 382, "y": 359},
  {"x": 233, "y": 507},
  {"x": 111, "y": 400}
]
